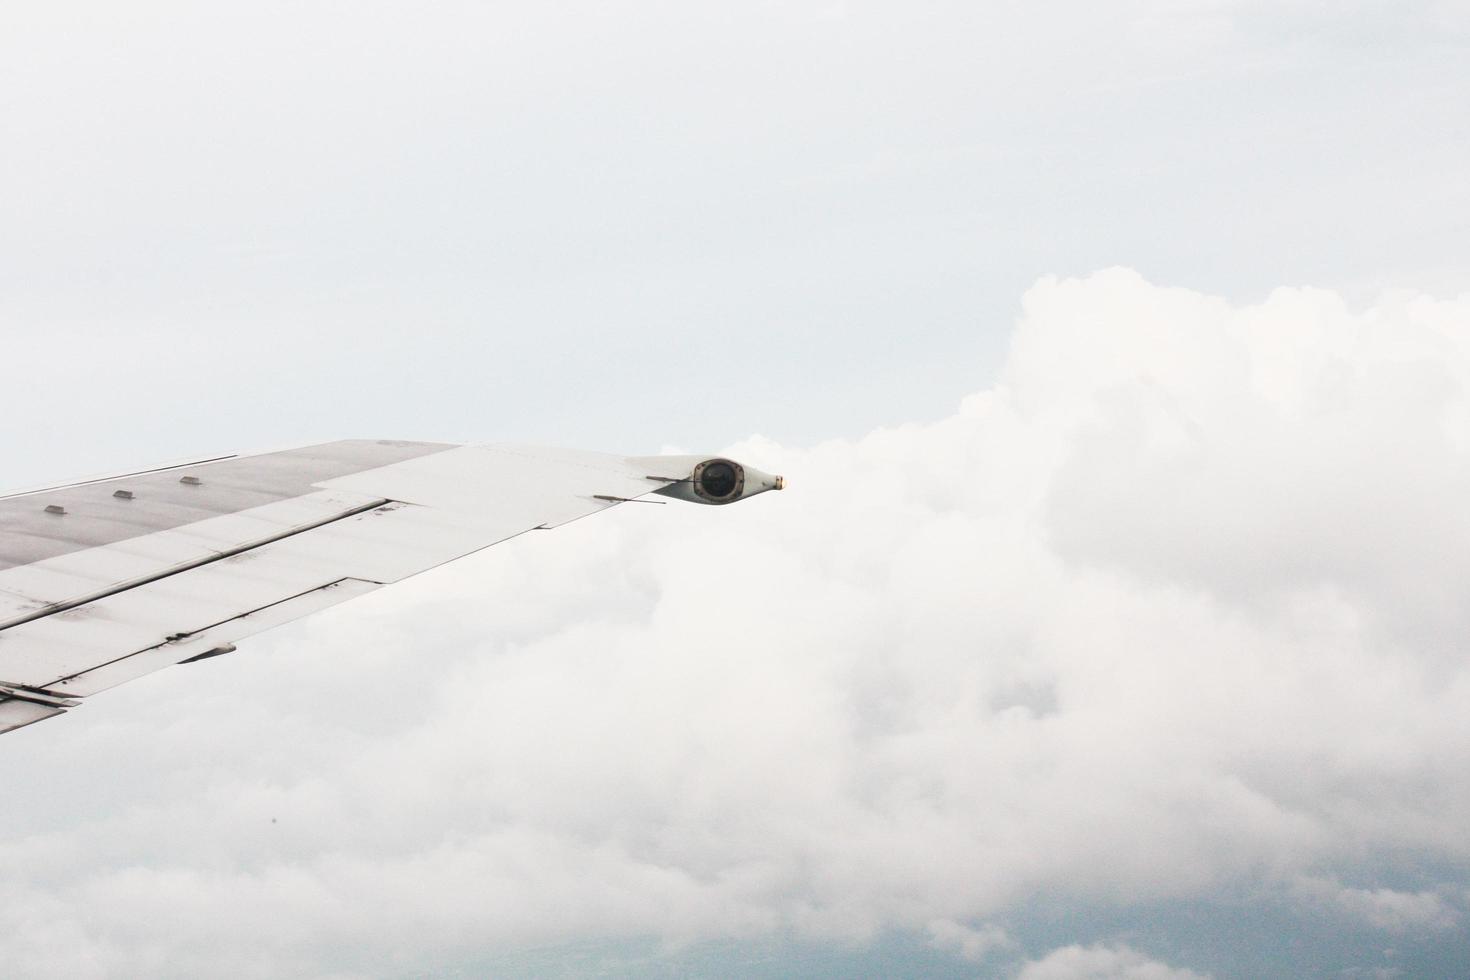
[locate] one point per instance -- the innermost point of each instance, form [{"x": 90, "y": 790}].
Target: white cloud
[
  {"x": 1172, "y": 609},
  {"x": 1101, "y": 963},
  {"x": 969, "y": 943},
  {"x": 1382, "y": 908}
]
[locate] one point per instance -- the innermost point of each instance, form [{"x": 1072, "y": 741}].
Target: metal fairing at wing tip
[{"x": 108, "y": 579}]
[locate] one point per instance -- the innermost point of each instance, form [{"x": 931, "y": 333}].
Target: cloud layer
[
  {"x": 1101, "y": 963},
  {"x": 1172, "y": 613}
]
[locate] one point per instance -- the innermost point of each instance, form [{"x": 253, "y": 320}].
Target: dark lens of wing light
[{"x": 718, "y": 480}]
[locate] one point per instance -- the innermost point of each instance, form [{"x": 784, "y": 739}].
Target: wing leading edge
[{"x": 105, "y": 581}]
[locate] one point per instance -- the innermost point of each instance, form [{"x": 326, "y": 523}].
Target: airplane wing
[{"x": 110, "y": 579}]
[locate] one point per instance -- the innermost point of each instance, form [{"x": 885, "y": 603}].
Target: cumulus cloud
[
  {"x": 1173, "y": 610},
  {"x": 1101, "y": 963}
]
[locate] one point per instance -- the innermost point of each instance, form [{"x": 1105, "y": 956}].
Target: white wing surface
[{"x": 110, "y": 579}]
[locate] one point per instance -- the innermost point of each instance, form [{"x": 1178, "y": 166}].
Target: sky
[{"x": 1118, "y": 357}]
